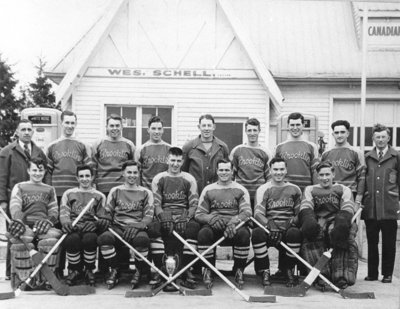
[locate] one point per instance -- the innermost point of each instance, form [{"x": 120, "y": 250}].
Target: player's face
[
  {"x": 131, "y": 174},
  {"x": 252, "y": 133},
  {"x": 278, "y": 171},
  {"x": 325, "y": 177},
  {"x": 155, "y": 131},
  {"x": 36, "y": 173},
  {"x": 381, "y": 139},
  {"x": 295, "y": 127},
  {"x": 68, "y": 125},
  {"x": 206, "y": 128},
  {"x": 340, "y": 134},
  {"x": 224, "y": 172},
  {"x": 114, "y": 128},
  {"x": 25, "y": 132},
  {"x": 175, "y": 164},
  {"x": 85, "y": 179}
]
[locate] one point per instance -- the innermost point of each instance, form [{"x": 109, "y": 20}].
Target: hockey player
[
  {"x": 129, "y": 210},
  {"x": 222, "y": 205},
  {"x": 152, "y": 155},
  {"x": 109, "y": 154},
  {"x": 325, "y": 217},
  {"x": 175, "y": 202},
  {"x": 277, "y": 206},
  {"x": 82, "y": 238},
  {"x": 348, "y": 161},
  {"x": 34, "y": 211},
  {"x": 250, "y": 160}
]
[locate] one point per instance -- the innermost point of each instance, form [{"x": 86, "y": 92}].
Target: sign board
[{"x": 384, "y": 33}]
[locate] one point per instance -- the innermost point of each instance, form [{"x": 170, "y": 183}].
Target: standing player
[
  {"x": 222, "y": 206},
  {"x": 300, "y": 155},
  {"x": 153, "y": 154},
  {"x": 82, "y": 238},
  {"x": 277, "y": 206},
  {"x": 175, "y": 202},
  {"x": 325, "y": 217},
  {"x": 33, "y": 206},
  {"x": 250, "y": 161},
  {"x": 348, "y": 161},
  {"x": 201, "y": 154},
  {"x": 129, "y": 210},
  {"x": 110, "y": 153}
]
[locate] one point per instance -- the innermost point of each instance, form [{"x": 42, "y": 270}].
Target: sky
[{"x": 43, "y": 28}]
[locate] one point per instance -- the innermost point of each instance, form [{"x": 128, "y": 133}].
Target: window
[{"x": 135, "y": 119}]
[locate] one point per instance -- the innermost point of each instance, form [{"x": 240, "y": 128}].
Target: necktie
[
  {"x": 380, "y": 155},
  {"x": 26, "y": 151}
]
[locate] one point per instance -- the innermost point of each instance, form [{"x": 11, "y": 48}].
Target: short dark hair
[
  {"x": 325, "y": 164},
  {"x": 114, "y": 117},
  {"x": 340, "y": 123},
  {"x": 253, "y": 122},
  {"x": 224, "y": 161},
  {"x": 154, "y": 119},
  {"x": 175, "y": 151},
  {"x": 129, "y": 163},
  {"x": 295, "y": 116},
  {"x": 84, "y": 168},
  {"x": 67, "y": 113},
  {"x": 24, "y": 121},
  {"x": 38, "y": 162},
  {"x": 379, "y": 128},
  {"x": 276, "y": 160},
  {"x": 207, "y": 116}
]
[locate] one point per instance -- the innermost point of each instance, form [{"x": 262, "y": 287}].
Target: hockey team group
[{"x": 144, "y": 210}]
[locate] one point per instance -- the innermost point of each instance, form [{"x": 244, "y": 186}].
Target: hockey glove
[
  {"x": 340, "y": 233},
  {"x": 275, "y": 235},
  {"x": 42, "y": 226},
  {"x": 16, "y": 228},
  {"x": 180, "y": 224},
  {"x": 67, "y": 228},
  {"x": 309, "y": 225},
  {"x": 230, "y": 231},
  {"x": 130, "y": 233},
  {"x": 103, "y": 224},
  {"x": 167, "y": 224},
  {"x": 217, "y": 224},
  {"x": 88, "y": 226}
]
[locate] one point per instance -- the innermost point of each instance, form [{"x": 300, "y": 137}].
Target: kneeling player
[
  {"x": 325, "y": 217},
  {"x": 222, "y": 206},
  {"x": 277, "y": 203},
  {"x": 175, "y": 202},
  {"x": 129, "y": 210},
  {"x": 82, "y": 238},
  {"x": 34, "y": 211}
]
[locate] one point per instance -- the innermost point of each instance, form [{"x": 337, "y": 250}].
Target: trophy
[{"x": 171, "y": 265}]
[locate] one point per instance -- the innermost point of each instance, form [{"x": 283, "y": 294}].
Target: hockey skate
[
  {"x": 291, "y": 280},
  {"x": 189, "y": 280},
  {"x": 208, "y": 278},
  {"x": 155, "y": 281},
  {"x": 73, "y": 276},
  {"x": 135, "y": 279},
  {"x": 266, "y": 278},
  {"x": 90, "y": 278},
  {"x": 239, "y": 278},
  {"x": 112, "y": 278}
]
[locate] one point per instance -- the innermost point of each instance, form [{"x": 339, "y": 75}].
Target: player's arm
[
  {"x": 202, "y": 214},
  {"x": 260, "y": 208},
  {"x": 5, "y": 163},
  {"x": 193, "y": 197},
  {"x": 156, "y": 188},
  {"x": 148, "y": 210},
  {"x": 360, "y": 174},
  {"x": 314, "y": 163}
]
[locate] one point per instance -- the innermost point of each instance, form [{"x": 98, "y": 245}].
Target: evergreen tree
[
  {"x": 40, "y": 92},
  {"x": 9, "y": 104}
]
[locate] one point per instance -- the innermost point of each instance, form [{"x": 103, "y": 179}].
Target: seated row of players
[{"x": 321, "y": 220}]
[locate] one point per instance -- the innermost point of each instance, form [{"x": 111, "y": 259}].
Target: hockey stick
[
  {"x": 75, "y": 290},
  {"x": 183, "y": 269},
  {"x": 259, "y": 299},
  {"x": 300, "y": 292}
]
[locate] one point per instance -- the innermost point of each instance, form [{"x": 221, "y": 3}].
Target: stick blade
[
  {"x": 139, "y": 293},
  {"x": 284, "y": 291},
  {"x": 354, "y": 295},
  {"x": 262, "y": 299},
  {"x": 81, "y": 290},
  {"x": 7, "y": 295}
]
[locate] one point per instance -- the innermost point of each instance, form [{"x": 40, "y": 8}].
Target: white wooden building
[{"x": 234, "y": 59}]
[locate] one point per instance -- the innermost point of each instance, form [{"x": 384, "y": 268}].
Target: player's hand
[
  {"x": 16, "y": 228},
  {"x": 67, "y": 228},
  {"x": 180, "y": 224},
  {"x": 275, "y": 237},
  {"x": 42, "y": 226},
  {"x": 130, "y": 233},
  {"x": 230, "y": 231},
  {"x": 103, "y": 224},
  {"x": 167, "y": 224},
  {"x": 217, "y": 224},
  {"x": 88, "y": 226}
]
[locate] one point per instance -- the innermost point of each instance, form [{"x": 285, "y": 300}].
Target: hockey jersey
[
  {"x": 175, "y": 193},
  {"x": 153, "y": 159},
  {"x": 64, "y": 155},
  {"x": 33, "y": 201},
  {"x": 130, "y": 205},
  {"x": 109, "y": 156}
]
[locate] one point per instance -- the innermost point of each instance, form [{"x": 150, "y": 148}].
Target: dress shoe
[
  {"x": 368, "y": 278},
  {"x": 387, "y": 279}
]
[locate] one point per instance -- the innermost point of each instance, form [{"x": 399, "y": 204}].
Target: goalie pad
[
  {"x": 311, "y": 251},
  {"x": 21, "y": 262},
  {"x": 44, "y": 246}
]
